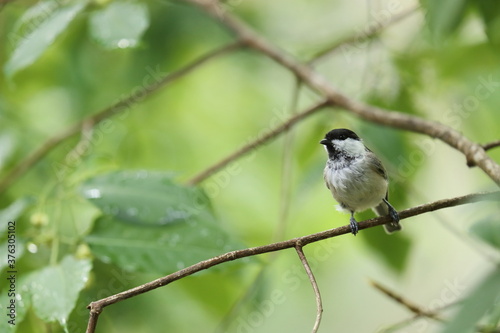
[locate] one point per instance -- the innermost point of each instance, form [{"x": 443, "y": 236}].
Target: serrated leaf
[
  {"x": 169, "y": 227},
  {"x": 54, "y": 290},
  {"x": 444, "y": 16},
  {"x": 482, "y": 299},
  {"x": 12, "y": 212},
  {"x": 144, "y": 197},
  {"x": 162, "y": 249},
  {"x": 120, "y": 24},
  {"x": 488, "y": 230},
  {"x": 32, "y": 45}
]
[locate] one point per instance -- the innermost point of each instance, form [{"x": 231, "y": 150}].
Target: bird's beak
[{"x": 324, "y": 142}]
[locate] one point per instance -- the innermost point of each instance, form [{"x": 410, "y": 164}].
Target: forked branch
[
  {"x": 97, "y": 306},
  {"x": 417, "y": 310},
  {"x": 472, "y": 151}
]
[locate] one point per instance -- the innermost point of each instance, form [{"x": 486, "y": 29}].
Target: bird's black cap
[{"x": 339, "y": 134}]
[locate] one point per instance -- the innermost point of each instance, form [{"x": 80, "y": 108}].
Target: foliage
[
  {"x": 152, "y": 223},
  {"x": 109, "y": 209}
]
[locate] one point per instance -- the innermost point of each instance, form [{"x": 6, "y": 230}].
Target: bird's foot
[
  {"x": 354, "y": 225},
  {"x": 392, "y": 226},
  {"x": 392, "y": 212},
  {"x": 394, "y": 215}
]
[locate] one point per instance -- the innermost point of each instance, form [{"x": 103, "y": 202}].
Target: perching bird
[{"x": 356, "y": 177}]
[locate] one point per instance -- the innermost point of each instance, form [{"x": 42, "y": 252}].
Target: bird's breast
[{"x": 355, "y": 185}]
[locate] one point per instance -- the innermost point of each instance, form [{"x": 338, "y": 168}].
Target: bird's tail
[{"x": 383, "y": 210}]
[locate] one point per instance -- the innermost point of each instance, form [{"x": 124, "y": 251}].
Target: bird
[{"x": 356, "y": 178}]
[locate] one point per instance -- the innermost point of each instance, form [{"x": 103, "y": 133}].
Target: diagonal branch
[
  {"x": 486, "y": 147},
  {"x": 312, "y": 279},
  {"x": 491, "y": 145},
  {"x": 123, "y": 104},
  {"x": 372, "y": 32},
  {"x": 97, "y": 306},
  {"x": 472, "y": 151},
  {"x": 417, "y": 310},
  {"x": 256, "y": 143}
]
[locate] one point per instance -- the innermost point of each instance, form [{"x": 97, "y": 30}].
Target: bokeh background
[{"x": 65, "y": 61}]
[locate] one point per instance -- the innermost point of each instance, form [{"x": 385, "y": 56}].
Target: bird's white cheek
[{"x": 350, "y": 146}]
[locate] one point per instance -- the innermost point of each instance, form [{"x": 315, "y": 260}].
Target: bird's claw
[
  {"x": 394, "y": 215},
  {"x": 354, "y": 226},
  {"x": 392, "y": 212}
]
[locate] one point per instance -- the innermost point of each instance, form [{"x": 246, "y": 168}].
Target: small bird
[{"x": 357, "y": 178}]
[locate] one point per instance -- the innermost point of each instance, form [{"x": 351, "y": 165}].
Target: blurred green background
[{"x": 109, "y": 208}]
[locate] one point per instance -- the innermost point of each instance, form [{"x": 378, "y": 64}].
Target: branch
[
  {"x": 123, "y": 104},
  {"x": 315, "y": 81},
  {"x": 291, "y": 122},
  {"x": 491, "y": 145},
  {"x": 97, "y": 306},
  {"x": 372, "y": 32},
  {"x": 486, "y": 147},
  {"x": 256, "y": 143},
  {"x": 403, "y": 301},
  {"x": 419, "y": 312},
  {"x": 319, "y": 305}
]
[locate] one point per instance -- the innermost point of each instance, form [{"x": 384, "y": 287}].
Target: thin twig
[
  {"x": 123, "y": 104},
  {"x": 317, "y": 82},
  {"x": 397, "y": 326},
  {"x": 417, "y": 310},
  {"x": 312, "y": 279},
  {"x": 97, "y": 306},
  {"x": 491, "y": 145},
  {"x": 92, "y": 324},
  {"x": 372, "y": 32},
  {"x": 256, "y": 143},
  {"x": 486, "y": 147}
]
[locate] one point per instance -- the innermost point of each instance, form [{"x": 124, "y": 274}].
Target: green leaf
[
  {"x": 488, "y": 230},
  {"x": 54, "y": 289},
  {"x": 120, "y": 24},
  {"x": 169, "y": 227},
  {"x": 12, "y": 212},
  {"x": 144, "y": 197},
  {"x": 444, "y": 16},
  {"x": 476, "y": 305},
  {"x": 32, "y": 18},
  {"x": 38, "y": 38},
  {"x": 162, "y": 249}
]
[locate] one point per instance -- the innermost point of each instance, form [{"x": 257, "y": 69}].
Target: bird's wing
[{"x": 377, "y": 166}]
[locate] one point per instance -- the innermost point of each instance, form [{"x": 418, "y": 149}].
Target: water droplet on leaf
[{"x": 32, "y": 248}]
